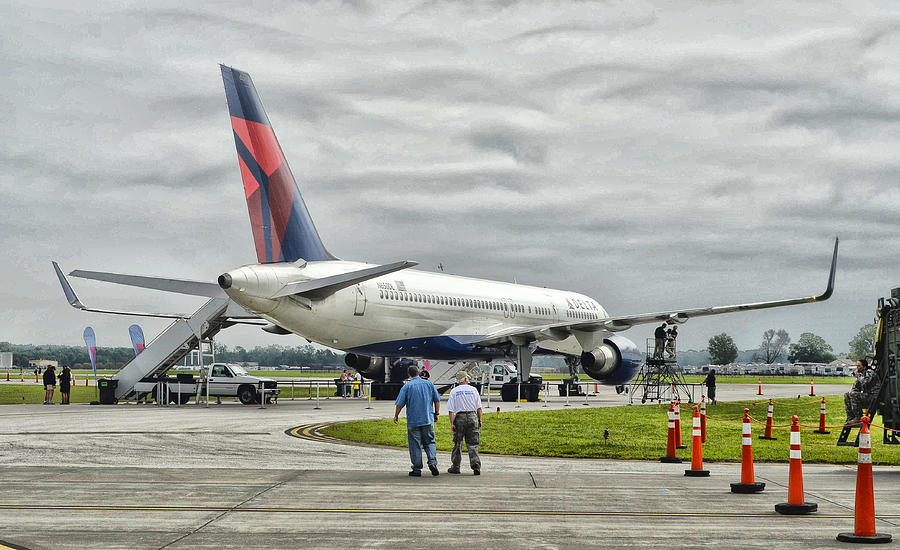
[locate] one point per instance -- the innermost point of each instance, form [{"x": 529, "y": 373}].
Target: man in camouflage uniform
[{"x": 862, "y": 392}]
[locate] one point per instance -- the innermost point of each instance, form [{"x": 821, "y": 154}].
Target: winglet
[
  {"x": 67, "y": 289},
  {"x": 830, "y": 288}
]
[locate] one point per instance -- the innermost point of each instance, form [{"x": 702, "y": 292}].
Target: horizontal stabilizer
[
  {"x": 317, "y": 289},
  {"x": 234, "y": 313},
  {"x": 194, "y": 288},
  {"x": 77, "y": 304}
]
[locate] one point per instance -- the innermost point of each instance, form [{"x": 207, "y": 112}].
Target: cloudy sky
[{"x": 652, "y": 155}]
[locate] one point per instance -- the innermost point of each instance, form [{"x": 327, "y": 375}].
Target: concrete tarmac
[{"x": 228, "y": 476}]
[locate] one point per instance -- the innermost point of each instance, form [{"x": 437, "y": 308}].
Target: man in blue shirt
[{"x": 416, "y": 395}]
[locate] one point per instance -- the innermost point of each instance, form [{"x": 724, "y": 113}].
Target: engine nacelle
[
  {"x": 369, "y": 367},
  {"x": 615, "y": 362}
]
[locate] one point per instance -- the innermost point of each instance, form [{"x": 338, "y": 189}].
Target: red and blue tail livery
[{"x": 283, "y": 230}]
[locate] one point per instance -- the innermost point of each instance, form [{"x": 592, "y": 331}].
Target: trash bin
[{"x": 107, "y": 391}]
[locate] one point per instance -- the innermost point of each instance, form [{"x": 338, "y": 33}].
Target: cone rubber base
[
  {"x": 681, "y": 446},
  {"x": 879, "y": 538},
  {"x": 696, "y": 473},
  {"x": 769, "y": 438},
  {"x": 671, "y": 459},
  {"x": 747, "y": 488},
  {"x": 821, "y": 432},
  {"x": 796, "y": 509}
]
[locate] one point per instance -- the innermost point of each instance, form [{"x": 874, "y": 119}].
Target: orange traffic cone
[
  {"x": 703, "y": 419},
  {"x": 822, "y": 429},
  {"x": 747, "y": 484},
  {"x": 23, "y": 376},
  {"x": 696, "y": 449},
  {"x": 812, "y": 389},
  {"x": 670, "y": 441},
  {"x": 37, "y": 380},
  {"x": 864, "y": 523},
  {"x": 678, "y": 443},
  {"x": 769, "y": 413},
  {"x": 795, "y": 504},
  {"x": 759, "y": 388}
]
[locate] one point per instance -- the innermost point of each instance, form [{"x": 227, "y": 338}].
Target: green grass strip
[{"x": 639, "y": 433}]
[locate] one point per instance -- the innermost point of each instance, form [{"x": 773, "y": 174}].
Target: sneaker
[
  {"x": 476, "y": 471},
  {"x": 453, "y": 471},
  {"x": 416, "y": 473},
  {"x": 434, "y": 470}
]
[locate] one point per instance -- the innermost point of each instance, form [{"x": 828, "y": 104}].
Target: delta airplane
[{"x": 391, "y": 311}]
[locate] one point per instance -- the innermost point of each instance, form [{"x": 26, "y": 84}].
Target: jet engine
[
  {"x": 369, "y": 367},
  {"x": 613, "y": 363}
]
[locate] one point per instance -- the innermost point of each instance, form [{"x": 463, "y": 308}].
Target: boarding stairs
[
  {"x": 442, "y": 373},
  {"x": 176, "y": 341}
]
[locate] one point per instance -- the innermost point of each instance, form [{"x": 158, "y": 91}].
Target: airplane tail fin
[{"x": 283, "y": 230}]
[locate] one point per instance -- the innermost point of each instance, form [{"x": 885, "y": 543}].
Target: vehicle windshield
[{"x": 238, "y": 370}]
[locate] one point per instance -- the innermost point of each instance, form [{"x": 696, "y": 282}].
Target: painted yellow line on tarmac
[
  {"x": 384, "y": 511},
  {"x": 310, "y": 432}
]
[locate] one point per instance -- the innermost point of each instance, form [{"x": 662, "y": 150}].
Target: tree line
[
  {"x": 115, "y": 358},
  {"x": 776, "y": 344}
]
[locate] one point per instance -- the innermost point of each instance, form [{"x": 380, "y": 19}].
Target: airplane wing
[
  {"x": 560, "y": 331},
  {"x": 235, "y": 313}
]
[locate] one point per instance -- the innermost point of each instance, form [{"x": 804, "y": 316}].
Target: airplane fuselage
[{"x": 410, "y": 313}]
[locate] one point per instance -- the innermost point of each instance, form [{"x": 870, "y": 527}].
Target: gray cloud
[
  {"x": 647, "y": 156},
  {"x": 522, "y": 146}
]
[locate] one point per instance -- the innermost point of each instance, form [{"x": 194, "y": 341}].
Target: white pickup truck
[{"x": 225, "y": 380}]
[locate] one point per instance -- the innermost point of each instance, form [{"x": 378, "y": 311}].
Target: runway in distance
[{"x": 374, "y": 312}]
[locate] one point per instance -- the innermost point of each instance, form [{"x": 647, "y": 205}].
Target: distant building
[{"x": 43, "y": 364}]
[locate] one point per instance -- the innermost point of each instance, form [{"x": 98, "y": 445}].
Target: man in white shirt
[{"x": 464, "y": 405}]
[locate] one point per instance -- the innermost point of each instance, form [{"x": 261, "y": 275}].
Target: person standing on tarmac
[
  {"x": 416, "y": 395},
  {"x": 464, "y": 406},
  {"x": 65, "y": 381},
  {"x": 49, "y": 384}
]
